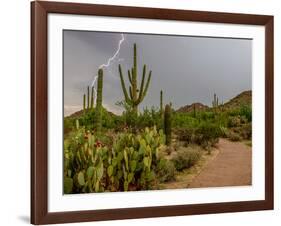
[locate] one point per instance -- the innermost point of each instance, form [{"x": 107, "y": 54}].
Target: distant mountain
[
  {"x": 190, "y": 108},
  {"x": 243, "y": 98}
]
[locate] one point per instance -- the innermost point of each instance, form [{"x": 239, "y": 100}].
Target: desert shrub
[
  {"x": 223, "y": 131},
  {"x": 206, "y": 135},
  {"x": 186, "y": 158},
  {"x": 184, "y": 120},
  {"x": 246, "y": 110},
  {"x": 246, "y": 131},
  {"x": 149, "y": 118},
  {"x": 234, "y": 112},
  {"x": 234, "y": 136},
  {"x": 169, "y": 149},
  {"x": 243, "y": 119},
  {"x": 109, "y": 120},
  {"x": 207, "y": 115},
  {"x": 185, "y": 134},
  {"x": 165, "y": 170},
  {"x": 234, "y": 121},
  {"x": 221, "y": 119},
  {"x": 68, "y": 124}
]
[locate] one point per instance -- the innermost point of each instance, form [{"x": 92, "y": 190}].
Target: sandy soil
[{"x": 232, "y": 166}]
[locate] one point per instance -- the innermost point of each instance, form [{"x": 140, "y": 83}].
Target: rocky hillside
[
  {"x": 243, "y": 98},
  {"x": 190, "y": 108}
]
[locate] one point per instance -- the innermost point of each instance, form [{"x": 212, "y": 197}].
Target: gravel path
[{"x": 231, "y": 167}]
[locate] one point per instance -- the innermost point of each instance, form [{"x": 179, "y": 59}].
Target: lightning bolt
[
  {"x": 107, "y": 64},
  {"x": 115, "y": 54}
]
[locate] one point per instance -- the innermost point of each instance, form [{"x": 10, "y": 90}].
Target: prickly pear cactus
[{"x": 130, "y": 164}]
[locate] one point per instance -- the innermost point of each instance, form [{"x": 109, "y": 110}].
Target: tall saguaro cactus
[
  {"x": 88, "y": 97},
  {"x": 136, "y": 95},
  {"x": 84, "y": 103},
  {"x": 92, "y": 98},
  {"x": 99, "y": 101},
  {"x": 215, "y": 102},
  {"x": 168, "y": 124},
  {"x": 161, "y": 102}
]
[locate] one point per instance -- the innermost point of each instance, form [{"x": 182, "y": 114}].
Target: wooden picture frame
[{"x": 39, "y": 109}]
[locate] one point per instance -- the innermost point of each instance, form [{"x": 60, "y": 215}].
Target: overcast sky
[{"x": 187, "y": 69}]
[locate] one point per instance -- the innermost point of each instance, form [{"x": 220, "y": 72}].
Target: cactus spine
[
  {"x": 136, "y": 95},
  {"x": 84, "y": 103},
  {"x": 168, "y": 124},
  {"x": 99, "y": 101},
  {"x": 92, "y": 98}
]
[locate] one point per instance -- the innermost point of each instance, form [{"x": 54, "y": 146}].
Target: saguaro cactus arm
[
  {"x": 130, "y": 76},
  {"x": 141, "y": 97},
  {"x": 123, "y": 84},
  {"x": 142, "y": 80}
]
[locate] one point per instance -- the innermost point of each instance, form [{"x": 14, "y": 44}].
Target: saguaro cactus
[
  {"x": 215, "y": 101},
  {"x": 168, "y": 124},
  {"x": 99, "y": 101},
  {"x": 136, "y": 95},
  {"x": 161, "y": 102},
  {"x": 84, "y": 103},
  {"x": 92, "y": 98},
  {"x": 88, "y": 97}
]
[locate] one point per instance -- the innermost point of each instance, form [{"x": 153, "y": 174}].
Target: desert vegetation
[{"x": 144, "y": 149}]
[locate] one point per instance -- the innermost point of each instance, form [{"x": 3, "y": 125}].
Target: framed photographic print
[{"x": 147, "y": 112}]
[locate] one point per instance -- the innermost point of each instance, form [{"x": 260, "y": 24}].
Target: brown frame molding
[{"x": 39, "y": 107}]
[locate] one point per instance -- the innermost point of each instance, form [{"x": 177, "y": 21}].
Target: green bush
[
  {"x": 165, "y": 170},
  {"x": 149, "y": 118},
  {"x": 234, "y": 121},
  {"x": 223, "y": 131},
  {"x": 184, "y": 120},
  {"x": 206, "y": 135},
  {"x": 68, "y": 124},
  {"x": 246, "y": 110},
  {"x": 234, "y": 136},
  {"x": 185, "y": 134},
  {"x": 109, "y": 120},
  {"x": 246, "y": 131},
  {"x": 186, "y": 158},
  {"x": 205, "y": 115}
]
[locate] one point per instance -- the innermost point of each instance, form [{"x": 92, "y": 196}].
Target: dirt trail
[{"x": 232, "y": 166}]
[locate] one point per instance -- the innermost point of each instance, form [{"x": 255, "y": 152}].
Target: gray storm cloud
[{"x": 187, "y": 69}]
